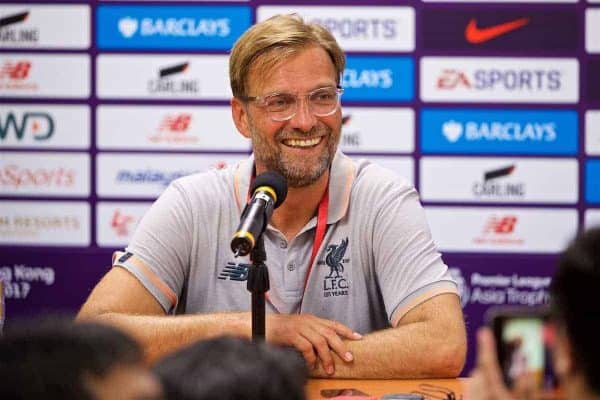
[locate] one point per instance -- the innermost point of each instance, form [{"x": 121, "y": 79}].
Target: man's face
[
  {"x": 126, "y": 382},
  {"x": 301, "y": 148}
]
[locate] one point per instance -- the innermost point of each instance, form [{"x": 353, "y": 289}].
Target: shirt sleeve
[
  {"x": 159, "y": 251},
  {"x": 409, "y": 268}
]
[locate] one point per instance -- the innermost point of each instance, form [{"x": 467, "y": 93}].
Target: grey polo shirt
[{"x": 377, "y": 260}]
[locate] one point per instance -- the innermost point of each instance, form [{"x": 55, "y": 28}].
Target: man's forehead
[{"x": 279, "y": 70}]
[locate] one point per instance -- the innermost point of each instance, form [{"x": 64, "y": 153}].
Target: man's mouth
[{"x": 303, "y": 142}]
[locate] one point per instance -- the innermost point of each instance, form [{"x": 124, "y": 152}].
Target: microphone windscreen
[{"x": 273, "y": 180}]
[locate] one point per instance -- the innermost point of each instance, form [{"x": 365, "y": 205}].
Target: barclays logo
[
  {"x": 171, "y": 27},
  {"x": 499, "y": 131},
  {"x": 377, "y": 78},
  {"x": 182, "y": 27}
]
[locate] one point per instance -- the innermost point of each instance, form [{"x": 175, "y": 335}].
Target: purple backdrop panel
[
  {"x": 49, "y": 281},
  {"x": 488, "y": 280}
]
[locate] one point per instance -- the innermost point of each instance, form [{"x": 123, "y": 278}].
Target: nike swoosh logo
[{"x": 476, "y": 35}]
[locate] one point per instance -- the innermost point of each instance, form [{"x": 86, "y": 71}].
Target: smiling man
[{"x": 374, "y": 299}]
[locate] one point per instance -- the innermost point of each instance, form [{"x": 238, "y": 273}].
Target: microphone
[{"x": 268, "y": 192}]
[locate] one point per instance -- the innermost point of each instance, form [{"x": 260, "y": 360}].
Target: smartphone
[{"x": 523, "y": 343}]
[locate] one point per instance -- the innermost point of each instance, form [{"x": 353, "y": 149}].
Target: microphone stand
[{"x": 258, "y": 285}]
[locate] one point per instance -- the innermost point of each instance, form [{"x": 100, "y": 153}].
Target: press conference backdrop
[{"x": 492, "y": 109}]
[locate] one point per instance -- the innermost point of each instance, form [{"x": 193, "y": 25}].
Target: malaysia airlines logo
[
  {"x": 121, "y": 223},
  {"x": 173, "y": 129},
  {"x": 478, "y": 35}
]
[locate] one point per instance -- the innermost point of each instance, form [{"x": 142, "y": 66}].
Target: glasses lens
[
  {"x": 323, "y": 101},
  {"x": 280, "y": 103}
]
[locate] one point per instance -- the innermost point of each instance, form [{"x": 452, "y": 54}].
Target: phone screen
[{"x": 524, "y": 347}]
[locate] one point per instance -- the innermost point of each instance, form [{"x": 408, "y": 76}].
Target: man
[
  {"x": 229, "y": 368},
  {"x": 375, "y": 269},
  {"x": 67, "y": 361},
  {"x": 575, "y": 313}
]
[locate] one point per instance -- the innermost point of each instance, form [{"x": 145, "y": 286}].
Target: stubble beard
[{"x": 297, "y": 174}]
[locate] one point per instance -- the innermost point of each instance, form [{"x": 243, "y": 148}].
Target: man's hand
[
  {"x": 486, "y": 379},
  {"x": 312, "y": 336}
]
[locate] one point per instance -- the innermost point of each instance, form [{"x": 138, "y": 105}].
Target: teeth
[{"x": 302, "y": 143}]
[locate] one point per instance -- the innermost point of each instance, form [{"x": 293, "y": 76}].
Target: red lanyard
[{"x": 320, "y": 231}]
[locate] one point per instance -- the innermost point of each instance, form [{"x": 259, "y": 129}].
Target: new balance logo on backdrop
[
  {"x": 506, "y": 29},
  {"x": 173, "y": 129}
]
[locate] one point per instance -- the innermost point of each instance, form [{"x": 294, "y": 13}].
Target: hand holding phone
[{"x": 523, "y": 342}]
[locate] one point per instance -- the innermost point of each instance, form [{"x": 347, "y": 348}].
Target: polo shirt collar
[{"x": 343, "y": 173}]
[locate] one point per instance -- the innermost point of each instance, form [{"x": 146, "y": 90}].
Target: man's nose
[{"x": 304, "y": 119}]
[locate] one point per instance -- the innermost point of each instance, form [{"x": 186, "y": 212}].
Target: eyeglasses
[{"x": 283, "y": 106}]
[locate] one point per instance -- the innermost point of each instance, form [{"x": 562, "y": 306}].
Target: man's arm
[
  {"x": 121, "y": 300},
  {"x": 428, "y": 342}
]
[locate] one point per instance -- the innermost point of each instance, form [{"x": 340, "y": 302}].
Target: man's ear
[{"x": 239, "y": 113}]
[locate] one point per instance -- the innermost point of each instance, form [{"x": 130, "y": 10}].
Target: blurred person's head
[
  {"x": 576, "y": 313},
  {"x": 229, "y": 368},
  {"x": 60, "y": 359}
]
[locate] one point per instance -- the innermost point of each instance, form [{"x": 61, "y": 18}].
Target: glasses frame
[{"x": 261, "y": 100}]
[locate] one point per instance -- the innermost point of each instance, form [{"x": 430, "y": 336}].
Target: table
[{"x": 378, "y": 388}]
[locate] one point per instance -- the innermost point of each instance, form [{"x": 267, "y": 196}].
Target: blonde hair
[{"x": 270, "y": 42}]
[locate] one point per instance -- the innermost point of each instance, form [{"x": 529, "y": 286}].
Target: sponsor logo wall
[{"x": 493, "y": 113}]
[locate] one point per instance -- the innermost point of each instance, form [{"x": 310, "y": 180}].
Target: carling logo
[
  {"x": 168, "y": 81},
  {"x": 358, "y": 28},
  {"x": 499, "y": 131},
  {"x": 171, "y": 27},
  {"x": 45, "y": 26},
  {"x": 505, "y": 29},
  {"x": 377, "y": 129},
  {"x": 499, "y": 80},
  {"x": 170, "y": 76},
  {"x": 375, "y": 78},
  {"x": 487, "y": 179}
]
